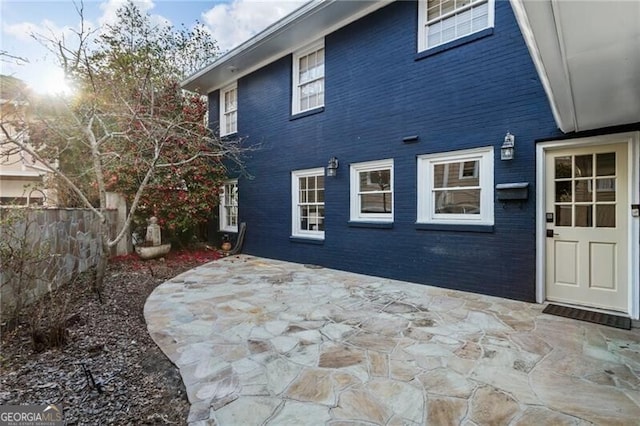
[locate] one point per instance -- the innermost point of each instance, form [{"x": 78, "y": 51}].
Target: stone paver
[{"x": 265, "y": 342}]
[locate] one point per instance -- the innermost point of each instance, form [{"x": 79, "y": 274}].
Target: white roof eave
[
  {"x": 310, "y": 22},
  {"x": 587, "y": 54}
]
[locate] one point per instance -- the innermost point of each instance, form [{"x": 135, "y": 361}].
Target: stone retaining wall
[{"x": 60, "y": 243}]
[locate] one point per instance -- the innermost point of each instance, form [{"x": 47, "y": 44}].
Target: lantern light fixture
[
  {"x": 507, "y": 150},
  {"x": 332, "y": 167}
]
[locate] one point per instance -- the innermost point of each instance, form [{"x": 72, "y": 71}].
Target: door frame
[{"x": 632, "y": 139}]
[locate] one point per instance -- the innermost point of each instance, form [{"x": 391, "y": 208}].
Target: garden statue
[
  {"x": 152, "y": 246},
  {"x": 153, "y": 237}
]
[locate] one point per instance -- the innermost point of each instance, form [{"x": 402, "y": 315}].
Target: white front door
[{"x": 587, "y": 210}]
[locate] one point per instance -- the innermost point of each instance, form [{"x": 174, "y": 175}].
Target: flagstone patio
[{"x": 260, "y": 341}]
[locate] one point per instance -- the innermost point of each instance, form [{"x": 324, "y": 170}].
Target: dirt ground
[{"x": 109, "y": 371}]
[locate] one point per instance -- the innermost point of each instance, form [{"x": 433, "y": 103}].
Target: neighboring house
[
  {"x": 381, "y": 128},
  {"x": 21, "y": 177}
]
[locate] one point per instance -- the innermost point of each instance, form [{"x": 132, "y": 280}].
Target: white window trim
[
  {"x": 356, "y": 214},
  {"x": 224, "y": 226},
  {"x": 295, "y": 200},
  {"x": 223, "y": 112},
  {"x": 422, "y": 22},
  {"x": 295, "y": 92},
  {"x": 426, "y": 209}
]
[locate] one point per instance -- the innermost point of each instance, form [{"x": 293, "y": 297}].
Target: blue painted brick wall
[{"x": 377, "y": 92}]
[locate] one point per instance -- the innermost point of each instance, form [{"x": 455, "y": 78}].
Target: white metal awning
[{"x": 587, "y": 53}]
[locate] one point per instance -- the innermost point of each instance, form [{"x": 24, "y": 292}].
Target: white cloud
[
  {"x": 230, "y": 24},
  {"x": 24, "y": 31},
  {"x": 110, "y": 7},
  {"x": 40, "y": 70},
  {"x": 235, "y": 22},
  {"x": 21, "y": 31}
]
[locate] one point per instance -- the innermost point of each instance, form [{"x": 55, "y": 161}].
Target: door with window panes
[{"x": 587, "y": 226}]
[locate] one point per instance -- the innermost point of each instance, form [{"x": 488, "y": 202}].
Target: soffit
[
  {"x": 305, "y": 25},
  {"x": 588, "y": 56}
]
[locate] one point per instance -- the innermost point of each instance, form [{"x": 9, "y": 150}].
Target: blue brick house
[{"x": 430, "y": 141}]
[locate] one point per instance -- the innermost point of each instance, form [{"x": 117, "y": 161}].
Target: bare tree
[{"x": 128, "y": 117}]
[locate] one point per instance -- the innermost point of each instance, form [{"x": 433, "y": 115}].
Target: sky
[{"x": 230, "y": 21}]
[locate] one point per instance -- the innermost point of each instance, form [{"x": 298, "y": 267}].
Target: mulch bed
[{"x": 109, "y": 371}]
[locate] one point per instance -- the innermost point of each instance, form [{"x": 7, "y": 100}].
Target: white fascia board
[
  {"x": 259, "y": 38},
  {"x": 261, "y": 42},
  {"x": 42, "y": 170},
  {"x": 522, "y": 18},
  {"x": 21, "y": 174}
]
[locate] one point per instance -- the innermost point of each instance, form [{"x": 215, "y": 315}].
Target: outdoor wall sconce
[
  {"x": 332, "y": 167},
  {"x": 508, "y": 147}
]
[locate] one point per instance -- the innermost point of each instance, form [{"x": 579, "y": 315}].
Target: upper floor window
[
  {"x": 308, "y": 78},
  {"x": 372, "y": 191},
  {"x": 307, "y": 193},
  {"x": 229, "y": 110},
  {"x": 456, "y": 187},
  {"x": 229, "y": 206},
  {"x": 441, "y": 21}
]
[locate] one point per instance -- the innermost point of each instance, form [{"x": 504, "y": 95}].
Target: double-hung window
[
  {"x": 308, "y": 78},
  {"x": 456, "y": 187},
  {"x": 442, "y": 21},
  {"x": 229, "y": 110},
  {"x": 229, "y": 206},
  {"x": 307, "y": 193},
  {"x": 372, "y": 191}
]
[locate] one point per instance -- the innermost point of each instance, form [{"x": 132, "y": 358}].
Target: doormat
[{"x": 590, "y": 316}]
